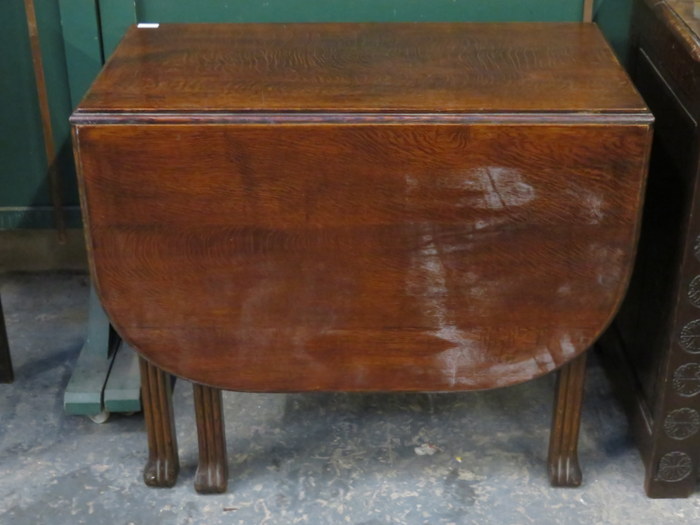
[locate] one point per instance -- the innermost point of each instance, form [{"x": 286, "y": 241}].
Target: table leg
[
  {"x": 212, "y": 471},
  {"x": 6, "y": 374},
  {"x": 163, "y": 463},
  {"x": 564, "y": 469}
]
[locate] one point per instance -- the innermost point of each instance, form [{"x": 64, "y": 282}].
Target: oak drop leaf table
[{"x": 359, "y": 207}]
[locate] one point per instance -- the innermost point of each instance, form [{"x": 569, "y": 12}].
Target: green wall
[
  {"x": 22, "y": 160},
  {"x": 357, "y": 10},
  {"x": 613, "y": 17},
  {"x": 77, "y": 35}
]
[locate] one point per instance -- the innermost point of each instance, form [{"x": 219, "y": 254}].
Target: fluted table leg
[
  {"x": 564, "y": 469},
  {"x": 163, "y": 463},
  {"x": 212, "y": 471}
]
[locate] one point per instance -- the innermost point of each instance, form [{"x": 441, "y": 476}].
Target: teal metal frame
[{"x": 106, "y": 377}]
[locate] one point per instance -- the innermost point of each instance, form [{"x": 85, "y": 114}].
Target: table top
[
  {"x": 366, "y": 68},
  {"x": 294, "y": 207}
]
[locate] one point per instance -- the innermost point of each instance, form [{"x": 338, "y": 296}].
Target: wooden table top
[
  {"x": 370, "y": 67},
  {"x": 409, "y": 207}
]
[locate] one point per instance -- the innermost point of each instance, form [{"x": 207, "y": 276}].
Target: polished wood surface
[
  {"x": 163, "y": 463},
  {"x": 564, "y": 468},
  {"x": 361, "y": 257},
  {"x": 421, "y": 67},
  {"x": 318, "y": 250},
  {"x": 212, "y": 468}
]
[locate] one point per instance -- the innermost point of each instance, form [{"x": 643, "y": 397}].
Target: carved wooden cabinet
[
  {"x": 654, "y": 346},
  {"x": 359, "y": 207}
]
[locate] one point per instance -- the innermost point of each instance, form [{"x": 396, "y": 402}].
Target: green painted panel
[
  {"x": 116, "y": 16},
  {"x": 356, "y": 10},
  {"x": 82, "y": 44},
  {"x": 55, "y": 70},
  {"x": 23, "y": 180},
  {"x": 21, "y": 146},
  {"x": 614, "y": 17}
]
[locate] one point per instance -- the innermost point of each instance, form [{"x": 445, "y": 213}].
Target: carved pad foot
[
  {"x": 565, "y": 472},
  {"x": 160, "y": 472}
]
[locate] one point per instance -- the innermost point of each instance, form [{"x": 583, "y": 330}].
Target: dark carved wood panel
[{"x": 654, "y": 347}]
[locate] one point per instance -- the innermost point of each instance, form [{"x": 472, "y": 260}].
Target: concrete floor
[{"x": 303, "y": 458}]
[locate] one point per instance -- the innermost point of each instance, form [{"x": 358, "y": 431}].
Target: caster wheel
[{"x": 100, "y": 418}]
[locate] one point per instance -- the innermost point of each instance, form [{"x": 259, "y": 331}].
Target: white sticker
[{"x": 148, "y": 26}]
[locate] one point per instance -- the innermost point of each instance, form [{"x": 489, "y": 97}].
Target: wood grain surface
[
  {"x": 562, "y": 460},
  {"x": 163, "y": 464},
  {"x": 362, "y": 256},
  {"x": 433, "y": 67},
  {"x": 682, "y": 17}
]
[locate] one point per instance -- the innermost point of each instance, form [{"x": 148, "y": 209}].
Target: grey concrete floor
[{"x": 303, "y": 458}]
